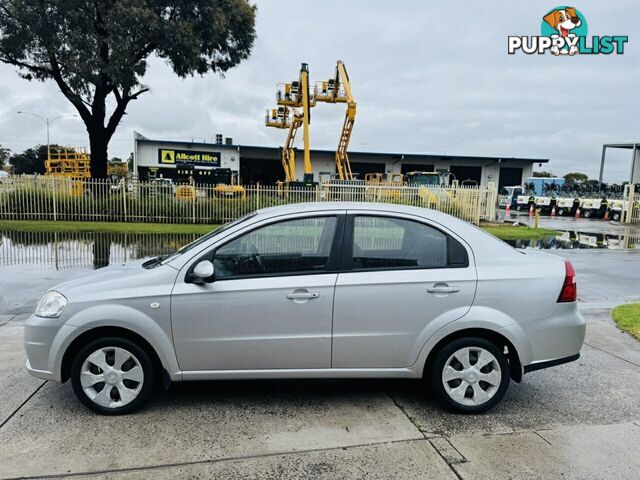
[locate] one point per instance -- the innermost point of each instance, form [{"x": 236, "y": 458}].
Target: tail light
[{"x": 569, "y": 292}]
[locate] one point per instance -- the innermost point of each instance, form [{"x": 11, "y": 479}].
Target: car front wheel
[
  {"x": 470, "y": 375},
  {"x": 112, "y": 376}
]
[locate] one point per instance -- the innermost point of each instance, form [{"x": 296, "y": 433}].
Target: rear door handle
[
  {"x": 302, "y": 295},
  {"x": 443, "y": 289}
]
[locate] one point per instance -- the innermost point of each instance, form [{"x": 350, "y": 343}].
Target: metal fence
[
  {"x": 631, "y": 204},
  {"x": 54, "y": 198}
]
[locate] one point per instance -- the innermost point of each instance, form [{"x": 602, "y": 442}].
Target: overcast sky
[{"x": 429, "y": 77}]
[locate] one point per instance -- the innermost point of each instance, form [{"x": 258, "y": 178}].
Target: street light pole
[{"x": 48, "y": 121}]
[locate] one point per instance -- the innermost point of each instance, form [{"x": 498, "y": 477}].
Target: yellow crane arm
[
  {"x": 306, "y": 118},
  {"x": 288, "y": 156},
  {"x": 338, "y": 90},
  {"x": 342, "y": 158}
]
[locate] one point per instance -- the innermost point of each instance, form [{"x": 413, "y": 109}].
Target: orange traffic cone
[
  {"x": 553, "y": 211},
  {"x": 507, "y": 211},
  {"x": 606, "y": 215},
  {"x": 531, "y": 210},
  {"x": 578, "y": 212}
]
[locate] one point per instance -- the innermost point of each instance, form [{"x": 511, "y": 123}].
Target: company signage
[
  {"x": 191, "y": 157},
  {"x": 563, "y": 31}
]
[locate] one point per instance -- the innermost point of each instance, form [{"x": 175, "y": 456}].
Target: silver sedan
[{"x": 325, "y": 290}]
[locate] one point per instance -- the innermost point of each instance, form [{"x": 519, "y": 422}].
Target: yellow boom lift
[
  {"x": 338, "y": 90},
  {"x": 286, "y": 118},
  {"x": 293, "y": 112}
]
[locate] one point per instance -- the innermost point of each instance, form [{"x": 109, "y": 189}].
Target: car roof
[{"x": 370, "y": 206}]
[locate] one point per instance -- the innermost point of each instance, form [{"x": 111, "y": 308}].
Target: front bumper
[
  {"x": 43, "y": 374},
  {"x": 44, "y": 344}
]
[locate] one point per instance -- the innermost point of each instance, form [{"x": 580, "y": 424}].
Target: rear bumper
[
  {"x": 555, "y": 338},
  {"x": 532, "y": 367}
]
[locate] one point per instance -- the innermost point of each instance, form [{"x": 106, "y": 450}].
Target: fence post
[
  {"x": 193, "y": 205},
  {"x": 55, "y": 206},
  {"x": 258, "y": 196},
  {"x": 124, "y": 199}
]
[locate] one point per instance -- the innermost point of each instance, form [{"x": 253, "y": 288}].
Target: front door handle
[
  {"x": 443, "y": 289},
  {"x": 302, "y": 295}
]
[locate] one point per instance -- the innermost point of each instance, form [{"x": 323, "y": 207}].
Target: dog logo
[
  {"x": 564, "y": 23},
  {"x": 564, "y": 32}
]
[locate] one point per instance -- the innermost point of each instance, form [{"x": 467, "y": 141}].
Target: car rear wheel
[
  {"x": 470, "y": 375},
  {"x": 112, "y": 376}
]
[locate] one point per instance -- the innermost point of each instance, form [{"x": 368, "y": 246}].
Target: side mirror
[{"x": 202, "y": 273}]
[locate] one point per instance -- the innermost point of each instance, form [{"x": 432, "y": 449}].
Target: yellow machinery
[
  {"x": 289, "y": 118},
  {"x": 294, "y": 111},
  {"x": 384, "y": 180},
  {"x": 69, "y": 162},
  {"x": 185, "y": 192},
  {"x": 338, "y": 90},
  {"x": 429, "y": 184},
  {"x": 231, "y": 189},
  {"x": 392, "y": 179}
]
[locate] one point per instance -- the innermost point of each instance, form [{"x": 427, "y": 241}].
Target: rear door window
[{"x": 396, "y": 243}]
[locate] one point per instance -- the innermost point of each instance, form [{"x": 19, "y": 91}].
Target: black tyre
[
  {"x": 470, "y": 375},
  {"x": 112, "y": 376}
]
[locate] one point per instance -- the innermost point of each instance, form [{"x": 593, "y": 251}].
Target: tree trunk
[{"x": 98, "y": 141}]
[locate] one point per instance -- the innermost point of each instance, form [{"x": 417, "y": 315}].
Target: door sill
[{"x": 300, "y": 373}]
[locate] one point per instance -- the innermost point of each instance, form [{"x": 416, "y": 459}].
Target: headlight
[{"x": 51, "y": 305}]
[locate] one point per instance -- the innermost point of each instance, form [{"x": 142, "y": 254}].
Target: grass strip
[
  {"x": 627, "y": 317},
  {"x": 101, "y": 227},
  {"x": 508, "y": 232}
]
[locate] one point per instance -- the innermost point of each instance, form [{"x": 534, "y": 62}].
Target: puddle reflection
[
  {"x": 573, "y": 240},
  {"x": 70, "y": 249}
]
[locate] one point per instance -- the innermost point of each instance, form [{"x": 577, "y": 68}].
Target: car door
[
  {"x": 270, "y": 304},
  {"x": 398, "y": 274}
]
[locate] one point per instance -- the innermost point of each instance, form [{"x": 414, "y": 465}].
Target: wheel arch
[
  {"x": 107, "y": 331},
  {"x": 516, "y": 369}
]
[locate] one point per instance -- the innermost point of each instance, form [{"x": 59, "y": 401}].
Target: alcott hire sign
[{"x": 193, "y": 157}]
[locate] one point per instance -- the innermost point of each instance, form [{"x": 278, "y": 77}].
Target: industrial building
[{"x": 178, "y": 160}]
